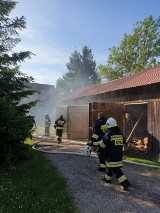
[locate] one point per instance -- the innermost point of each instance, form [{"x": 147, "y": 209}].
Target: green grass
[
  {"x": 138, "y": 160},
  {"x": 34, "y": 186}
]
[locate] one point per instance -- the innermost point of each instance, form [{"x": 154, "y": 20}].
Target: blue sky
[{"x": 55, "y": 28}]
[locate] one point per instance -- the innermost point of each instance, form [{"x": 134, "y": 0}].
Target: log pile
[{"x": 139, "y": 144}]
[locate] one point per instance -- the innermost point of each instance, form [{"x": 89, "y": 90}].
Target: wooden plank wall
[
  {"x": 115, "y": 110},
  {"x": 78, "y": 122},
  {"x": 154, "y": 129}
]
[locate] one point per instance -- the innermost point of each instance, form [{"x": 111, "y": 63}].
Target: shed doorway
[
  {"x": 78, "y": 122},
  {"x": 136, "y": 131}
]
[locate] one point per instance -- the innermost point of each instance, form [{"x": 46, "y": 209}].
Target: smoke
[{"x": 48, "y": 103}]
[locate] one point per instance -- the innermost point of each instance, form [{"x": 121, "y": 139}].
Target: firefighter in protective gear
[
  {"x": 47, "y": 125},
  {"x": 113, "y": 142},
  {"x": 59, "y": 124},
  {"x": 98, "y": 132}
]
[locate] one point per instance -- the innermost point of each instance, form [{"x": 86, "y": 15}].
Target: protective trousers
[
  {"x": 101, "y": 156},
  {"x": 47, "y": 130},
  {"x": 119, "y": 175},
  {"x": 59, "y": 134}
]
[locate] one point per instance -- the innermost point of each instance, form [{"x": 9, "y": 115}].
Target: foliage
[
  {"x": 34, "y": 185},
  {"x": 14, "y": 123},
  {"x": 143, "y": 161},
  {"x": 81, "y": 73},
  {"x": 14, "y": 128},
  {"x": 136, "y": 52}
]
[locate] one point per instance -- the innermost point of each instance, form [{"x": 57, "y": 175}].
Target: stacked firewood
[{"x": 140, "y": 144}]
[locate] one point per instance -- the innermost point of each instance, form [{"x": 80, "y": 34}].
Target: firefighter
[
  {"x": 31, "y": 126},
  {"x": 59, "y": 124},
  {"x": 98, "y": 132},
  {"x": 47, "y": 125},
  {"x": 113, "y": 142}
]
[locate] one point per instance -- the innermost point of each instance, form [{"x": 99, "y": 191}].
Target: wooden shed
[{"x": 134, "y": 101}]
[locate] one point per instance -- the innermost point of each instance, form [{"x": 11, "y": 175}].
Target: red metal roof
[{"x": 146, "y": 77}]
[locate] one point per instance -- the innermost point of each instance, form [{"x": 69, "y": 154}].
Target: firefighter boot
[
  {"x": 58, "y": 140},
  {"x": 125, "y": 185},
  {"x": 107, "y": 178},
  {"x": 102, "y": 168}
]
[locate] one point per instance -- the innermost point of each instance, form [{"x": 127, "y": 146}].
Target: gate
[{"x": 78, "y": 122}]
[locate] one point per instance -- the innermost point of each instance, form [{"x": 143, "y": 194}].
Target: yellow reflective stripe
[
  {"x": 104, "y": 128},
  {"x": 114, "y": 165},
  {"x": 116, "y": 162},
  {"x": 112, "y": 139},
  {"x": 107, "y": 177},
  {"x": 96, "y": 143},
  {"x": 59, "y": 127},
  {"x": 113, "y": 125},
  {"x": 119, "y": 143},
  {"x": 102, "y": 144},
  {"x": 60, "y": 122},
  {"x": 118, "y": 139},
  {"x": 116, "y": 136},
  {"x": 102, "y": 166},
  {"x": 95, "y": 136},
  {"x": 121, "y": 179}
]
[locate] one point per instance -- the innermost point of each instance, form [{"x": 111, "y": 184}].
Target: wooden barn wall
[
  {"x": 149, "y": 94},
  {"x": 115, "y": 110},
  {"x": 154, "y": 129},
  {"x": 78, "y": 122},
  {"x": 131, "y": 94}
]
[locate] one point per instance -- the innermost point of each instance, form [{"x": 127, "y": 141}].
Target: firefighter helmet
[
  {"x": 111, "y": 122},
  {"x": 87, "y": 150}
]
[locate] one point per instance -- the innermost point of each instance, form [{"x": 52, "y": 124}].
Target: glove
[
  {"x": 89, "y": 143},
  {"x": 98, "y": 152}
]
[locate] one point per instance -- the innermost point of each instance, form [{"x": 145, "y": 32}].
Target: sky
[{"x": 56, "y": 28}]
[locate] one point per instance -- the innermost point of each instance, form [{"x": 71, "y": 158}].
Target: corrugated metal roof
[{"x": 142, "y": 78}]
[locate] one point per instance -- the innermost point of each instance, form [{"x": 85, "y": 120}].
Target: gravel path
[{"x": 93, "y": 195}]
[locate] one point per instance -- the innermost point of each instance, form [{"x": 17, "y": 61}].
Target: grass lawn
[
  {"x": 139, "y": 157},
  {"x": 138, "y": 160},
  {"x": 34, "y": 186}
]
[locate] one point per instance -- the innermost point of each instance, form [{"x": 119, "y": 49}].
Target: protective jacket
[
  {"x": 113, "y": 142},
  {"x": 59, "y": 123},
  {"x": 98, "y": 131}
]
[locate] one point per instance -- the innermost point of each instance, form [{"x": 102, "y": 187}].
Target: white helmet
[
  {"x": 87, "y": 150},
  {"x": 111, "y": 122}
]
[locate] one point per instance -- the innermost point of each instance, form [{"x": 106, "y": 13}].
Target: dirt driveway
[{"x": 92, "y": 195}]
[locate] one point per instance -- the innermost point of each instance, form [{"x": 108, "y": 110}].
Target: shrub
[{"x": 14, "y": 128}]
